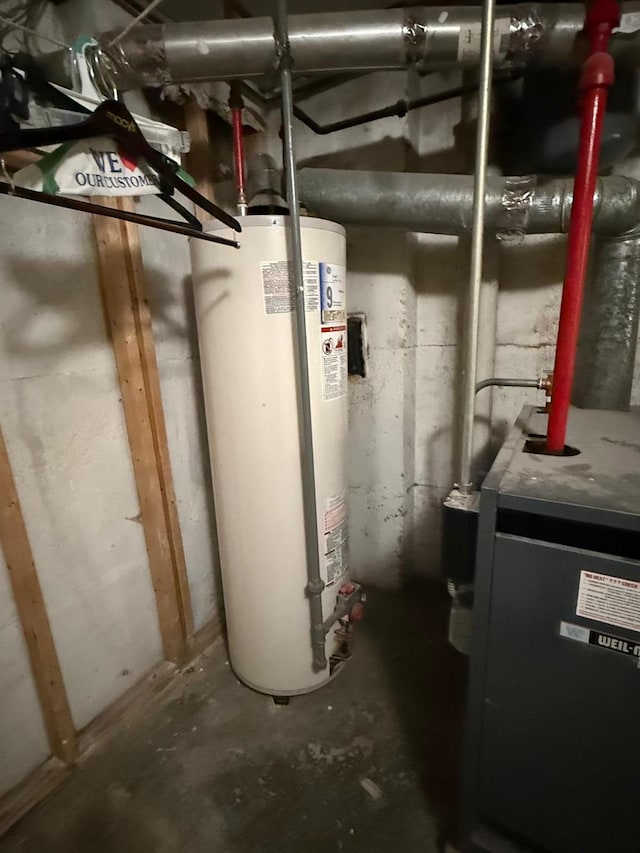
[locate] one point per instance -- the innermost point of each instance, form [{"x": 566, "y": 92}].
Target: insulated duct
[
  {"x": 421, "y": 37},
  {"x": 442, "y": 204},
  {"x": 609, "y": 328}
]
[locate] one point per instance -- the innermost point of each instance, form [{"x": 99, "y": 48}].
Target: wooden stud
[
  {"x": 132, "y": 339},
  {"x": 144, "y": 330},
  {"x": 33, "y": 618},
  {"x": 15, "y": 160},
  {"x": 199, "y": 158}
]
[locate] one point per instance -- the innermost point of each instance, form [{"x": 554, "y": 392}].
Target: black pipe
[{"x": 399, "y": 109}]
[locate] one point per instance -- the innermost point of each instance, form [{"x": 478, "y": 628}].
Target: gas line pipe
[
  {"x": 236, "y": 104},
  {"x": 596, "y": 80}
]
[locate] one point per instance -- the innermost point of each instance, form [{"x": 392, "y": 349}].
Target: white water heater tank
[{"x": 245, "y": 304}]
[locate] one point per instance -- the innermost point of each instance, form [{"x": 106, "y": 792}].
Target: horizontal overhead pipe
[
  {"x": 443, "y": 204},
  {"x": 432, "y": 37}
]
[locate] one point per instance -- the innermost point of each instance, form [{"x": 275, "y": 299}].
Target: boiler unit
[
  {"x": 245, "y": 307},
  {"x": 553, "y": 749}
]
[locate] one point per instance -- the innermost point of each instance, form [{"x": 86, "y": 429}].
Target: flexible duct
[
  {"x": 442, "y": 204},
  {"x": 422, "y": 37},
  {"x": 609, "y": 328}
]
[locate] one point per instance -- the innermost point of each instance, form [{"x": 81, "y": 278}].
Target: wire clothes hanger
[{"x": 113, "y": 119}]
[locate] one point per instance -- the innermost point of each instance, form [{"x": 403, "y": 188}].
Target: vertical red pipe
[
  {"x": 596, "y": 80},
  {"x": 236, "y": 103}
]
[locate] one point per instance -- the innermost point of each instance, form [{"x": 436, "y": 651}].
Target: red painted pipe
[
  {"x": 597, "y": 78},
  {"x": 238, "y": 152},
  {"x": 236, "y": 104}
]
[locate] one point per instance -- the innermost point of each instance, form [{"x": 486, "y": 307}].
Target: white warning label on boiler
[
  {"x": 333, "y": 340},
  {"x": 615, "y": 601},
  {"x": 279, "y": 289},
  {"x": 336, "y": 537},
  {"x": 333, "y": 293}
]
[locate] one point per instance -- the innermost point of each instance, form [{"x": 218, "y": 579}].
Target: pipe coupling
[
  {"x": 525, "y": 31},
  {"x": 517, "y": 198},
  {"x": 414, "y": 33},
  {"x": 315, "y": 587}
]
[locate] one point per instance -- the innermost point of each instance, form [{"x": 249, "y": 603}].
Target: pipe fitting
[
  {"x": 597, "y": 72},
  {"x": 525, "y": 32},
  {"x": 517, "y": 198},
  {"x": 350, "y": 596},
  {"x": 545, "y": 383},
  {"x": 415, "y": 38},
  {"x": 315, "y": 587}
]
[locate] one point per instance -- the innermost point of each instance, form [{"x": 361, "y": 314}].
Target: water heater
[{"x": 245, "y": 304}]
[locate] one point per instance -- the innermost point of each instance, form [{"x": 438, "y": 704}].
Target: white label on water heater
[
  {"x": 336, "y": 537},
  {"x": 333, "y": 301},
  {"x": 279, "y": 289},
  {"x": 334, "y": 362},
  {"x": 615, "y": 601}
]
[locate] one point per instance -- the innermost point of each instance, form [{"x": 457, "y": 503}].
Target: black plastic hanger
[{"x": 114, "y": 120}]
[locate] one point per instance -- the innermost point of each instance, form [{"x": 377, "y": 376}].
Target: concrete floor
[{"x": 366, "y": 764}]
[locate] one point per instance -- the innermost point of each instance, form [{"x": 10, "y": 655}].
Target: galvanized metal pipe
[
  {"x": 500, "y": 382},
  {"x": 609, "y": 328},
  {"x": 315, "y": 584},
  {"x": 465, "y": 481},
  {"x": 422, "y": 37},
  {"x": 443, "y": 204}
]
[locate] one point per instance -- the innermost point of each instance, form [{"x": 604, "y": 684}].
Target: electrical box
[{"x": 552, "y": 752}]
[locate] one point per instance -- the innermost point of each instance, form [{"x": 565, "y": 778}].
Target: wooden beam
[
  {"x": 15, "y": 160},
  {"x": 129, "y": 324},
  {"x": 199, "y": 160},
  {"x": 36, "y": 787},
  {"x": 144, "y": 330},
  {"x": 33, "y": 617}
]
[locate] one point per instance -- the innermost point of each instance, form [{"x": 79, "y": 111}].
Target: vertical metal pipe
[
  {"x": 466, "y": 482},
  {"x": 315, "y": 583}
]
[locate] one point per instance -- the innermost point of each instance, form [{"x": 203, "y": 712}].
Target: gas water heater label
[
  {"x": 615, "y": 601},
  {"x": 333, "y": 302},
  {"x": 279, "y": 288},
  {"x": 334, "y": 362},
  {"x": 336, "y": 537}
]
